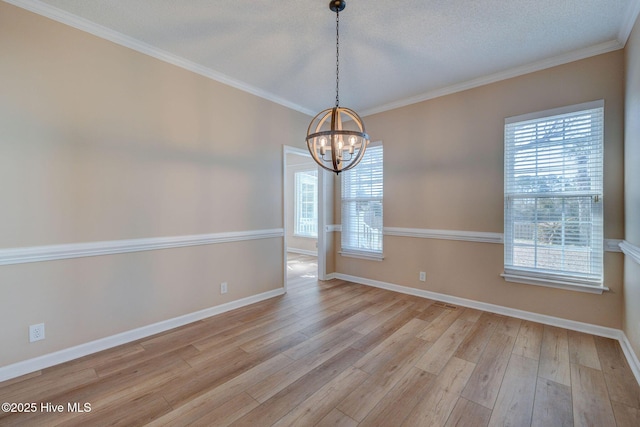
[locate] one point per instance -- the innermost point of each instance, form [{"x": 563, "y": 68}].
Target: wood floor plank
[
  {"x": 443, "y": 349},
  {"x": 473, "y": 345},
  {"x": 470, "y": 315},
  {"x": 433, "y": 410},
  {"x": 626, "y": 416},
  {"x": 322, "y": 402},
  {"x": 431, "y": 313},
  {"x": 468, "y": 414},
  {"x": 278, "y": 381},
  {"x": 320, "y": 341},
  {"x": 514, "y": 405},
  {"x": 336, "y": 418},
  {"x": 484, "y": 384},
  {"x": 552, "y": 407},
  {"x": 582, "y": 350},
  {"x": 136, "y": 411},
  {"x": 198, "y": 407},
  {"x": 529, "y": 341},
  {"x": 106, "y": 394},
  {"x": 440, "y": 400},
  {"x": 383, "y": 316},
  {"x": 286, "y": 400},
  {"x": 400, "y": 401},
  {"x": 623, "y": 389},
  {"x": 509, "y": 326},
  {"x": 366, "y": 396},
  {"x": 383, "y": 352},
  {"x": 620, "y": 380},
  {"x": 612, "y": 359},
  {"x": 374, "y": 338},
  {"x": 45, "y": 385},
  {"x": 228, "y": 412},
  {"x": 455, "y": 375},
  {"x": 554, "y": 356},
  {"x": 440, "y": 324},
  {"x": 591, "y": 404}
]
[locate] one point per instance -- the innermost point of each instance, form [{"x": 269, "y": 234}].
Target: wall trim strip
[
  {"x": 31, "y": 365},
  {"x": 610, "y": 245},
  {"x": 466, "y": 236},
  {"x": 573, "y": 325},
  {"x": 630, "y": 250},
  {"x": 77, "y": 250}
]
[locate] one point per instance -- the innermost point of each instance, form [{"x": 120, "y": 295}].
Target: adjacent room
[{"x": 418, "y": 213}]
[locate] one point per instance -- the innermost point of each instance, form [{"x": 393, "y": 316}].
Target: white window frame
[
  {"x": 528, "y": 127},
  {"x": 362, "y": 232},
  {"x": 304, "y": 226}
]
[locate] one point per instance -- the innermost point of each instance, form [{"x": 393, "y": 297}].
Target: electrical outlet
[
  {"x": 423, "y": 276},
  {"x": 36, "y": 332},
  {"x": 223, "y": 288}
]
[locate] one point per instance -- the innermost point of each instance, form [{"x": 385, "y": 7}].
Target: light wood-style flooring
[{"x": 341, "y": 354}]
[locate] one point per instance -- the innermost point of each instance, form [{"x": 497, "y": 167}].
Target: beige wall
[
  {"x": 632, "y": 187},
  {"x": 99, "y": 142},
  {"x": 443, "y": 166}
]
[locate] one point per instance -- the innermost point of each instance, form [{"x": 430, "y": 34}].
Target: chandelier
[{"x": 336, "y": 137}]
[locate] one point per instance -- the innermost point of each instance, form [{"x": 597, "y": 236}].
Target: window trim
[
  {"x": 296, "y": 204},
  {"x": 362, "y": 253},
  {"x": 558, "y": 280}
]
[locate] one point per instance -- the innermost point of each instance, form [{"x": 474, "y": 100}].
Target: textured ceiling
[{"x": 391, "y": 53}]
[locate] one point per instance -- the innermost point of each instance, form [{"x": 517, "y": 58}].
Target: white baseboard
[
  {"x": 302, "y": 251},
  {"x": 631, "y": 356},
  {"x": 31, "y": 365},
  {"x": 573, "y": 325}
]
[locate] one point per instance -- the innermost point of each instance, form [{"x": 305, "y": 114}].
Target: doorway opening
[{"x": 304, "y": 239}]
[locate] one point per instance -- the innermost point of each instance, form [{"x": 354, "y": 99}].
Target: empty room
[{"x": 320, "y": 213}]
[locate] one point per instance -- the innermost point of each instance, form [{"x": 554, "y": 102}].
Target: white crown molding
[
  {"x": 573, "y": 325},
  {"x": 78, "y": 250},
  {"x": 116, "y": 37},
  {"x": 630, "y": 250},
  {"x": 465, "y": 236},
  {"x": 31, "y": 365},
  {"x": 575, "y": 55},
  {"x": 629, "y": 21}
]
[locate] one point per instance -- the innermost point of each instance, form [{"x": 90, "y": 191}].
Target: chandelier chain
[{"x": 337, "y": 57}]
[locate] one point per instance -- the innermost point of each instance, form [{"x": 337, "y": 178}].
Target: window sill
[
  {"x": 362, "y": 255},
  {"x": 553, "y": 283}
]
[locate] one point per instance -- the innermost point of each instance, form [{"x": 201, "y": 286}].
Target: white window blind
[
  {"x": 553, "y": 195},
  {"x": 306, "y": 203},
  {"x": 362, "y": 205}
]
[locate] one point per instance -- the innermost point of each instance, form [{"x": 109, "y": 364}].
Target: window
[
  {"x": 362, "y": 206},
  {"x": 306, "y": 203},
  {"x": 553, "y": 197}
]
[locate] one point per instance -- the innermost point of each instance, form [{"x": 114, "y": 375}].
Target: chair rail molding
[
  {"x": 465, "y": 236},
  {"x": 78, "y": 250},
  {"x": 630, "y": 250}
]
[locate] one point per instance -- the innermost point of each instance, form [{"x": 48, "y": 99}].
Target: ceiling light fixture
[{"x": 336, "y": 137}]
